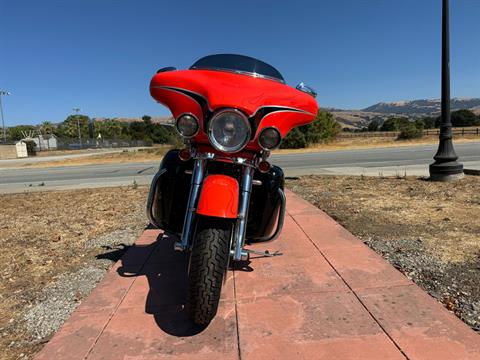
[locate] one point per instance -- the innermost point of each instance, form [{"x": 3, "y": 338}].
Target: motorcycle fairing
[{"x": 202, "y": 92}]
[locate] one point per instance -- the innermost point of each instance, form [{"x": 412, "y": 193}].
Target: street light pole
[
  {"x": 445, "y": 167},
  {"x": 77, "y": 110},
  {"x": 3, "y": 93}
]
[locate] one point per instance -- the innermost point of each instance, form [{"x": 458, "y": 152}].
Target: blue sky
[{"x": 99, "y": 55}]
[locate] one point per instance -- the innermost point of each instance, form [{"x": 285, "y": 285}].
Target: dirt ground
[
  {"x": 428, "y": 230},
  {"x": 52, "y": 245}
]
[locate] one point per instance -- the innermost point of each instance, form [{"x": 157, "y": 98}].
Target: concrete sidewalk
[{"x": 328, "y": 297}]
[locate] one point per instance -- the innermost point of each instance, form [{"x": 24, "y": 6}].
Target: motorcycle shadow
[{"x": 165, "y": 271}]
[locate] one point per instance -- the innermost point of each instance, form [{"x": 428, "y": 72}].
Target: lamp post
[
  {"x": 445, "y": 167},
  {"x": 77, "y": 110},
  {"x": 3, "y": 93}
]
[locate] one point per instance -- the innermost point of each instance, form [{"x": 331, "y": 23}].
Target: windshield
[{"x": 239, "y": 64}]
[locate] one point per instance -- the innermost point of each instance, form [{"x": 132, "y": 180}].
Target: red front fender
[{"x": 219, "y": 197}]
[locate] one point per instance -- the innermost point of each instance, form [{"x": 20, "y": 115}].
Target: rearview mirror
[
  {"x": 167, "y": 68},
  {"x": 306, "y": 89}
]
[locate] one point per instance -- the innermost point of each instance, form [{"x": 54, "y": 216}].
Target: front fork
[
  {"x": 241, "y": 224},
  {"x": 241, "y": 228},
  {"x": 197, "y": 180}
]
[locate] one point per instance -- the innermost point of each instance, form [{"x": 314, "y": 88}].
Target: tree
[
  {"x": 295, "y": 139},
  {"x": 110, "y": 129},
  {"x": 323, "y": 129},
  {"x": 69, "y": 128},
  {"x": 147, "y": 119},
  {"x": 394, "y": 124},
  {"x": 46, "y": 128},
  {"x": 390, "y": 124},
  {"x": 374, "y": 125},
  {"x": 410, "y": 130},
  {"x": 461, "y": 118},
  {"x": 15, "y": 133},
  {"x": 419, "y": 124},
  {"x": 428, "y": 122}
]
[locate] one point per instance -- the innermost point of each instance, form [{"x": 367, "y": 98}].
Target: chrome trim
[
  {"x": 260, "y": 134},
  {"x": 220, "y": 147},
  {"x": 240, "y": 72},
  {"x": 306, "y": 89},
  {"x": 286, "y": 108},
  {"x": 241, "y": 228},
  {"x": 232, "y": 160},
  {"x": 192, "y": 115},
  {"x": 151, "y": 196},
  {"x": 197, "y": 180}
]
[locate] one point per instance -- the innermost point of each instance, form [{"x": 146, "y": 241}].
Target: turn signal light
[
  {"x": 264, "y": 166},
  {"x": 185, "y": 154}
]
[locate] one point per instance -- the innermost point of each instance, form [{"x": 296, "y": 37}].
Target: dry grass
[
  {"x": 44, "y": 235},
  {"x": 372, "y": 142},
  {"x": 444, "y": 215}
]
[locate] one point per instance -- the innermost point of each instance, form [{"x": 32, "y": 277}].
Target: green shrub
[
  {"x": 295, "y": 139},
  {"x": 31, "y": 147},
  {"x": 410, "y": 131},
  {"x": 323, "y": 129}
]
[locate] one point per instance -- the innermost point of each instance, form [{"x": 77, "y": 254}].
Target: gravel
[
  {"x": 117, "y": 237},
  {"x": 453, "y": 284},
  {"x": 59, "y": 299}
]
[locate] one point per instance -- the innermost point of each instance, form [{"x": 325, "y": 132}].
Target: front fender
[{"x": 219, "y": 197}]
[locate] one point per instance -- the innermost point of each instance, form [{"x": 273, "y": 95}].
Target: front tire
[{"x": 208, "y": 265}]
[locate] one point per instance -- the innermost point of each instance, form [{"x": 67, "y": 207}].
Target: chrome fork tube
[
  {"x": 197, "y": 179},
  {"x": 241, "y": 228}
]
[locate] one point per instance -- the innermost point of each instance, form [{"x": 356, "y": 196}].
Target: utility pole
[
  {"x": 77, "y": 110},
  {"x": 3, "y": 93},
  {"x": 445, "y": 167}
]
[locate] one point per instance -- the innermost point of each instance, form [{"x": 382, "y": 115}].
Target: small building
[{"x": 46, "y": 142}]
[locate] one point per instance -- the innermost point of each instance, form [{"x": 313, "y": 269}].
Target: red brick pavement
[{"x": 328, "y": 297}]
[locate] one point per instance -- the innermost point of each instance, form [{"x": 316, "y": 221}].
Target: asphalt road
[{"x": 385, "y": 161}]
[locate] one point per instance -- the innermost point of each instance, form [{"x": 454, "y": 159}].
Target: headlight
[
  {"x": 187, "y": 125},
  {"x": 229, "y": 130},
  {"x": 269, "y": 138}
]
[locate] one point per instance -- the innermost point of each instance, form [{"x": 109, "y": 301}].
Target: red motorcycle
[{"x": 220, "y": 192}]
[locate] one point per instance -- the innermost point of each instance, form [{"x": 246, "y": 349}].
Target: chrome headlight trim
[
  {"x": 242, "y": 117},
  {"x": 279, "y": 138},
  {"x": 193, "y": 116}
]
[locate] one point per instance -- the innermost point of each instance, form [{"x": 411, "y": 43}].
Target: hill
[{"x": 409, "y": 108}]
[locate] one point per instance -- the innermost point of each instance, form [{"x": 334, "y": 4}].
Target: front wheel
[{"x": 208, "y": 264}]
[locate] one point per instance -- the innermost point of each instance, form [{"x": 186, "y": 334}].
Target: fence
[
  {"x": 75, "y": 144},
  {"x": 428, "y": 132}
]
